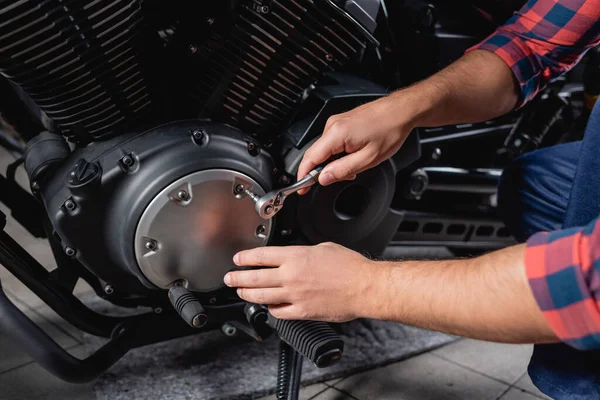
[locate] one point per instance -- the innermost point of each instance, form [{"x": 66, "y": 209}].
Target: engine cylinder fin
[
  {"x": 256, "y": 73},
  {"x": 80, "y": 61}
]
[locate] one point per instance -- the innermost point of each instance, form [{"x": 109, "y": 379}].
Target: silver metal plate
[{"x": 192, "y": 229}]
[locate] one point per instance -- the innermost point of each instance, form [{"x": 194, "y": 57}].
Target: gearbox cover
[{"x": 119, "y": 206}]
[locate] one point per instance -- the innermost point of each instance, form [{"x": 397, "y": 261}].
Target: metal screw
[
  {"x": 70, "y": 205},
  {"x": 260, "y": 230},
  {"x": 151, "y": 245},
  {"x": 239, "y": 189},
  {"x": 286, "y": 232},
  {"x": 212, "y": 300},
  {"x": 193, "y": 49},
  {"x": 35, "y": 185},
  {"x": 157, "y": 310},
  {"x": 183, "y": 195},
  {"x": 127, "y": 161},
  {"x": 285, "y": 179},
  {"x": 199, "y": 135},
  {"x": 251, "y": 146},
  {"x": 69, "y": 251},
  {"x": 275, "y": 171},
  {"x": 210, "y": 20},
  {"x": 229, "y": 330},
  {"x": 108, "y": 289},
  {"x": 264, "y": 9},
  {"x": 269, "y": 210},
  {"x": 436, "y": 154},
  {"x": 329, "y": 57}
]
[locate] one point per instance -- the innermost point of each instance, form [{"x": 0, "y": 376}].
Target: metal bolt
[
  {"x": 127, "y": 161},
  {"x": 69, "y": 251},
  {"x": 329, "y": 57},
  {"x": 193, "y": 49},
  {"x": 436, "y": 154},
  {"x": 251, "y": 146},
  {"x": 260, "y": 230},
  {"x": 70, "y": 205},
  {"x": 275, "y": 171},
  {"x": 239, "y": 189},
  {"x": 264, "y": 9},
  {"x": 199, "y": 135},
  {"x": 151, "y": 245},
  {"x": 108, "y": 289},
  {"x": 286, "y": 232},
  {"x": 183, "y": 195},
  {"x": 157, "y": 310},
  {"x": 212, "y": 300},
  {"x": 229, "y": 330},
  {"x": 269, "y": 210},
  {"x": 35, "y": 185},
  {"x": 210, "y": 20}
]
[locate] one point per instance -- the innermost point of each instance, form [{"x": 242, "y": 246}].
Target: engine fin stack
[
  {"x": 275, "y": 51},
  {"x": 79, "y": 61}
]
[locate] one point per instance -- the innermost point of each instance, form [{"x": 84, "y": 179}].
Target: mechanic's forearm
[
  {"x": 485, "y": 298},
  {"x": 477, "y": 87}
]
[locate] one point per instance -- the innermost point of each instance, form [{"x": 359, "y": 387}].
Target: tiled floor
[{"x": 464, "y": 370}]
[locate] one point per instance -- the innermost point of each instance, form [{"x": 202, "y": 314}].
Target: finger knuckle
[
  {"x": 303, "y": 313},
  {"x": 299, "y": 253},
  {"x": 254, "y": 277},
  {"x": 259, "y": 256},
  {"x": 338, "y": 127},
  {"x": 261, "y": 297},
  {"x": 290, "y": 277}
]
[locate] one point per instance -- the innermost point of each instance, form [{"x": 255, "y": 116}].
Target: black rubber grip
[
  {"x": 316, "y": 341},
  {"x": 188, "y": 306}
]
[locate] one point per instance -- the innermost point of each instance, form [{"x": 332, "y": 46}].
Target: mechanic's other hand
[
  {"x": 326, "y": 282},
  {"x": 369, "y": 134}
]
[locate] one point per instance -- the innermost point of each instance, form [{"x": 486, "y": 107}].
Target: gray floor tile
[
  {"x": 12, "y": 356},
  {"x": 333, "y": 382},
  {"x": 306, "y": 393},
  {"x": 333, "y": 394},
  {"x": 32, "y": 382},
  {"x": 20, "y": 291},
  {"x": 506, "y": 362},
  {"x": 526, "y": 384},
  {"x": 66, "y": 327},
  {"x": 518, "y": 394},
  {"x": 424, "y": 377}
]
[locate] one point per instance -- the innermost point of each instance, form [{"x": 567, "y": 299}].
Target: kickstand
[{"x": 289, "y": 373}]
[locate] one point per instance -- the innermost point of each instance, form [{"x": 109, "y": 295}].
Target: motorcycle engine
[{"x": 144, "y": 210}]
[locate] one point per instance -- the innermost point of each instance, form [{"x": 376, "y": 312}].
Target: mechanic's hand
[
  {"x": 369, "y": 134},
  {"x": 326, "y": 282}
]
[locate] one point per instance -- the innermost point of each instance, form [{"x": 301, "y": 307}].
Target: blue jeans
[{"x": 550, "y": 189}]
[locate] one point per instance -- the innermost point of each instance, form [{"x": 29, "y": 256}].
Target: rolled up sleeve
[
  {"x": 563, "y": 269},
  {"x": 545, "y": 39}
]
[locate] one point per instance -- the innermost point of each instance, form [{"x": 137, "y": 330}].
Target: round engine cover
[{"x": 191, "y": 230}]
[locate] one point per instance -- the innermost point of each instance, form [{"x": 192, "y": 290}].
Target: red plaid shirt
[{"x": 540, "y": 42}]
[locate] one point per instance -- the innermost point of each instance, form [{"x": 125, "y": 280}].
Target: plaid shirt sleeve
[
  {"x": 545, "y": 39},
  {"x": 563, "y": 269}
]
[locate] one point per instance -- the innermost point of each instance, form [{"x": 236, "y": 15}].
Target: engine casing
[{"x": 97, "y": 197}]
